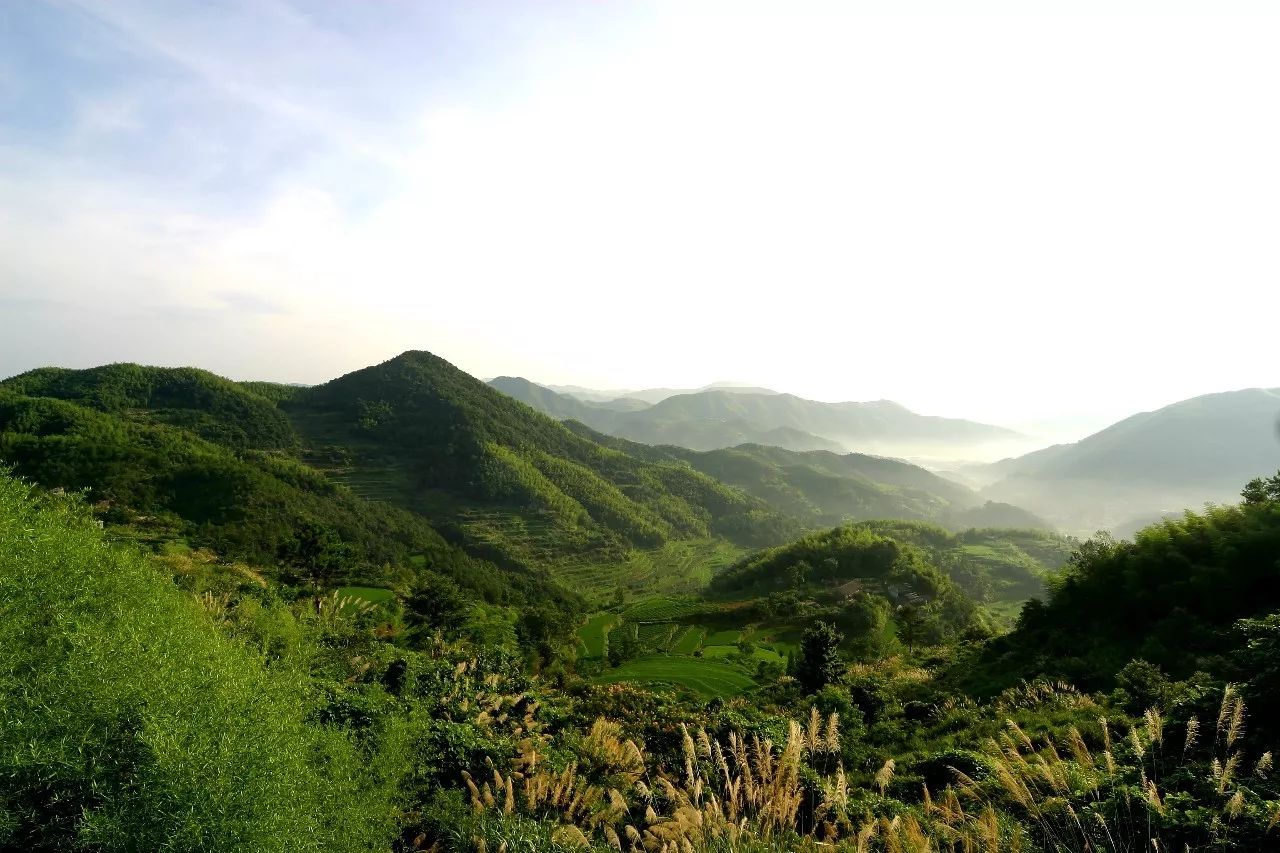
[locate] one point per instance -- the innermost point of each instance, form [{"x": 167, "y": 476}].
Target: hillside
[
  {"x": 621, "y": 416},
  {"x": 1173, "y": 597},
  {"x": 508, "y": 481},
  {"x": 162, "y": 484},
  {"x": 236, "y": 416},
  {"x": 1149, "y": 464},
  {"x": 1002, "y": 568},
  {"x": 718, "y": 417},
  {"x": 825, "y": 489},
  {"x": 877, "y": 589}
]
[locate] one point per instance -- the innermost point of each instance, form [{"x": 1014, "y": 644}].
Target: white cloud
[{"x": 997, "y": 217}]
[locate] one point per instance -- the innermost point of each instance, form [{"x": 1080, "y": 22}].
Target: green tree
[
  {"x": 437, "y": 603},
  {"x": 799, "y": 574},
  {"x": 820, "y": 663},
  {"x": 1261, "y": 490},
  {"x": 623, "y": 644}
]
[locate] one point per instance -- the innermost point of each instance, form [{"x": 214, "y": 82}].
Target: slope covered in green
[
  {"x": 1173, "y": 597},
  {"x": 161, "y": 482},
  {"x": 863, "y": 573},
  {"x": 128, "y": 721},
  {"x": 997, "y": 566},
  {"x": 508, "y": 480},
  {"x": 824, "y": 489},
  {"x": 214, "y": 408}
]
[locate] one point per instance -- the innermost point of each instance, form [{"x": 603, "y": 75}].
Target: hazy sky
[{"x": 1002, "y": 216}]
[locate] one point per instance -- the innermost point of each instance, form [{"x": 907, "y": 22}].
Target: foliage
[
  {"x": 1170, "y": 597},
  {"x": 128, "y": 723},
  {"x": 820, "y": 663},
  {"x": 218, "y": 410}
]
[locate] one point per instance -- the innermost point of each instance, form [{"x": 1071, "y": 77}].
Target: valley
[{"x": 489, "y": 553}]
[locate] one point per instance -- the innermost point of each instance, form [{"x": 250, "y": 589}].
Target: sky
[{"x": 1032, "y": 214}]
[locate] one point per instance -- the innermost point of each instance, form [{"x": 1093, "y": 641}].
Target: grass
[
  {"x": 661, "y": 609},
  {"x": 707, "y": 678},
  {"x": 371, "y": 594},
  {"x": 675, "y": 569},
  {"x": 760, "y": 654},
  {"x": 656, "y": 635},
  {"x": 689, "y": 641},
  {"x": 594, "y": 634},
  {"x": 724, "y": 638}
]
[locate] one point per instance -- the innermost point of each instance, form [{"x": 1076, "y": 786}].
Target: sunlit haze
[{"x": 1040, "y": 220}]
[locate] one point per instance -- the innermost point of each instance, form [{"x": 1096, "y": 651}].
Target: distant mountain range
[
  {"x": 718, "y": 417},
  {"x": 650, "y": 396},
  {"x": 1147, "y": 465}
]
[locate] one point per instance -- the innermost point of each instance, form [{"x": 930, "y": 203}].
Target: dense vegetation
[
  {"x": 548, "y": 640},
  {"x": 458, "y": 450},
  {"x": 161, "y": 483},
  {"x": 129, "y": 722},
  {"x": 236, "y": 416},
  {"x": 824, "y": 489},
  {"x": 1173, "y": 597}
]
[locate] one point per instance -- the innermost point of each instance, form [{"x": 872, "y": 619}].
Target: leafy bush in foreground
[{"x": 127, "y": 722}]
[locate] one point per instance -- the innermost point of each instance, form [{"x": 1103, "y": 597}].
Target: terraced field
[
  {"x": 656, "y": 636},
  {"x": 760, "y": 654},
  {"x": 661, "y": 609},
  {"x": 594, "y": 635},
  {"x": 707, "y": 678},
  {"x": 724, "y": 638},
  {"x": 689, "y": 641},
  {"x": 673, "y": 569}
]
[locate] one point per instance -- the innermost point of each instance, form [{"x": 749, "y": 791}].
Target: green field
[
  {"x": 707, "y": 678},
  {"x": 760, "y": 654},
  {"x": 661, "y": 608},
  {"x": 724, "y": 638},
  {"x": 372, "y": 594},
  {"x": 674, "y": 569},
  {"x": 593, "y": 635},
  {"x": 656, "y": 635},
  {"x": 689, "y": 641}
]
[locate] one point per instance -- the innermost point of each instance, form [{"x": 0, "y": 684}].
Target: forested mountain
[
  {"x": 991, "y": 566},
  {"x": 824, "y": 488},
  {"x": 506, "y": 479},
  {"x": 162, "y": 482},
  {"x": 725, "y": 417},
  {"x": 214, "y": 408},
  {"x": 1149, "y": 464},
  {"x": 234, "y": 466}
]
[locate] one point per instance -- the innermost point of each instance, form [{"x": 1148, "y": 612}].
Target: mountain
[
  {"x": 653, "y": 396},
  {"x": 725, "y": 417},
  {"x": 1149, "y": 464},
  {"x": 367, "y": 478},
  {"x": 511, "y": 483},
  {"x": 182, "y": 455},
  {"x": 823, "y": 488},
  {"x": 615, "y": 416},
  {"x": 212, "y": 407}
]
